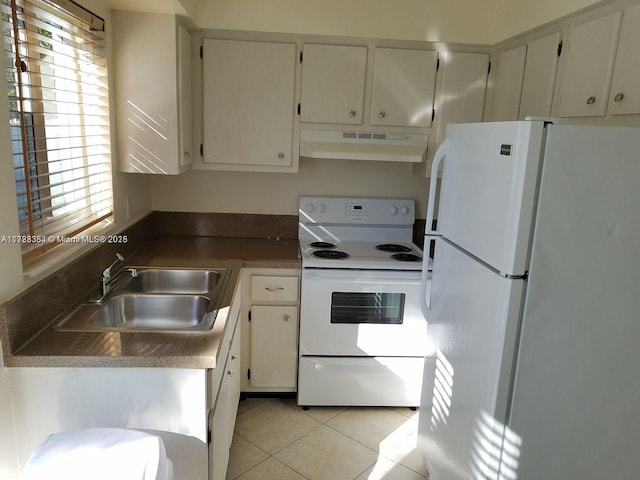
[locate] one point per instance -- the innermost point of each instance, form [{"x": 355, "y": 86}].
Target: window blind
[{"x": 56, "y": 73}]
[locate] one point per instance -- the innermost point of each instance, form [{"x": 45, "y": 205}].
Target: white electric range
[{"x": 362, "y": 333}]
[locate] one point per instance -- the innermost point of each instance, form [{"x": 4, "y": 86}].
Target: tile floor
[{"x": 276, "y": 439}]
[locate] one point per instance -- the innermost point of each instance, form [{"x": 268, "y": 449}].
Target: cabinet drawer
[{"x": 274, "y": 289}]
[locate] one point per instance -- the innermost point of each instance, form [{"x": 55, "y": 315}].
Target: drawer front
[{"x": 274, "y": 289}]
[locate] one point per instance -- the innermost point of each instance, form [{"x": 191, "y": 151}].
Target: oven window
[{"x": 385, "y": 308}]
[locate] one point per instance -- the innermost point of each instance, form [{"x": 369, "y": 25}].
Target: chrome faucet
[{"x": 108, "y": 278}]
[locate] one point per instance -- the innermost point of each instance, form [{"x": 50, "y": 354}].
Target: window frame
[{"x": 43, "y": 233}]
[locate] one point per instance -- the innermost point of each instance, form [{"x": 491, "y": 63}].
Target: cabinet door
[
  {"x": 184, "y": 95},
  {"x": 625, "y": 86},
  {"x": 403, "y": 85},
  {"x": 234, "y": 381},
  {"x": 274, "y": 346},
  {"x": 462, "y": 91},
  {"x": 589, "y": 64},
  {"x": 540, "y": 76},
  {"x": 219, "y": 425},
  {"x": 508, "y": 86},
  {"x": 248, "y": 103},
  {"x": 146, "y": 92},
  {"x": 333, "y": 80}
]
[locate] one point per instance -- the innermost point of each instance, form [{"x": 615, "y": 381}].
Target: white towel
[{"x": 99, "y": 454}]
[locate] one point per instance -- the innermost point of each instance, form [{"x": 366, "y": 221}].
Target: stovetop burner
[
  {"x": 322, "y": 245},
  {"x": 331, "y": 254},
  {"x": 392, "y": 247},
  {"x": 406, "y": 257}
]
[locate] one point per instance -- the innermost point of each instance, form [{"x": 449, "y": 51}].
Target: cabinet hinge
[
  {"x": 438, "y": 65},
  {"x": 560, "y": 49},
  {"x": 208, "y": 437},
  {"x": 248, "y": 373},
  {"x": 201, "y": 150},
  {"x": 201, "y": 52},
  {"x": 489, "y": 69},
  {"x": 433, "y": 114},
  {"x": 299, "y": 109},
  {"x": 301, "y": 56}
]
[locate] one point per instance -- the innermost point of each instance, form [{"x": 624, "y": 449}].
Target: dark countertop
[{"x": 51, "y": 348}]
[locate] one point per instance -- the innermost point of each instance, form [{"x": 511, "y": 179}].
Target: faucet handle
[{"x": 106, "y": 274}]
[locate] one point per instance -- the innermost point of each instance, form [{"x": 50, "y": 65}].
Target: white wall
[
  {"x": 273, "y": 193},
  {"x": 516, "y": 16},
  {"x": 468, "y": 21}
]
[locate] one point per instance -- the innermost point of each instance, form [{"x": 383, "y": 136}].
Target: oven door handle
[{"x": 318, "y": 277}]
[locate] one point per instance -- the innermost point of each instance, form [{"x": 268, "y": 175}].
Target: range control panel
[{"x": 345, "y": 210}]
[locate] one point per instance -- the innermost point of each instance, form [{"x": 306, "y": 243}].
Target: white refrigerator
[{"x": 533, "y": 314}]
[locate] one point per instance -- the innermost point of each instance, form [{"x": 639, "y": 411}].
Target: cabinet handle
[
  {"x": 352, "y": 113},
  {"x": 234, "y": 357},
  {"x": 619, "y": 97},
  {"x": 286, "y": 318},
  {"x": 273, "y": 289},
  {"x": 281, "y": 155},
  {"x": 230, "y": 373},
  {"x": 382, "y": 114},
  {"x": 591, "y": 100}
]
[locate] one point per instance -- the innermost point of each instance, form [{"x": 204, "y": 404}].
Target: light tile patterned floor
[{"x": 276, "y": 439}]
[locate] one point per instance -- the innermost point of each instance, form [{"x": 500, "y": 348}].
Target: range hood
[{"x": 387, "y": 147}]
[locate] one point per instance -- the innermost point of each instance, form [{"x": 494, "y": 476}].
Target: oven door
[{"x": 361, "y": 313}]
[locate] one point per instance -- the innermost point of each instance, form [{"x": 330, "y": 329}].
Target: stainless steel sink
[
  {"x": 164, "y": 312},
  {"x": 162, "y": 280},
  {"x": 156, "y": 300}
]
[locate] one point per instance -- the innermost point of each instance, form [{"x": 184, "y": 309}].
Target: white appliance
[
  {"x": 533, "y": 364},
  {"x": 362, "y": 334}
]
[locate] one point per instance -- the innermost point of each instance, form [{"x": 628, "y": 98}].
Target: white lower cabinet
[
  {"x": 270, "y": 330},
  {"x": 274, "y": 342},
  {"x": 222, "y": 416}
]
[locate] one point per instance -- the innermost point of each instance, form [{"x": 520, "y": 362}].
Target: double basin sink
[{"x": 155, "y": 300}]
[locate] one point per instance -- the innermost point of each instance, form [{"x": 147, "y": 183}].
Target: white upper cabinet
[
  {"x": 152, "y": 66},
  {"x": 586, "y": 79},
  {"x": 248, "y": 105},
  {"x": 333, "y": 82},
  {"x": 461, "y": 95},
  {"x": 403, "y": 85},
  {"x": 508, "y": 84},
  {"x": 540, "y": 76},
  {"x": 625, "y": 86},
  {"x": 334, "y": 85}
]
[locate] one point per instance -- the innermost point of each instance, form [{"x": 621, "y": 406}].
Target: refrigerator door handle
[
  {"x": 442, "y": 152},
  {"x": 425, "y": 304}
]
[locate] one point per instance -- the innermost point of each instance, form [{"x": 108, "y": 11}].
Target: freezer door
[
  {"x": 576, "y": 401},
  {"x": 489, "y": 180},
  {"x": 471, "y": 337}
]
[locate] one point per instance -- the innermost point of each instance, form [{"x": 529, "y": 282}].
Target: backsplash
[{"x": 226, "y": 225}]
